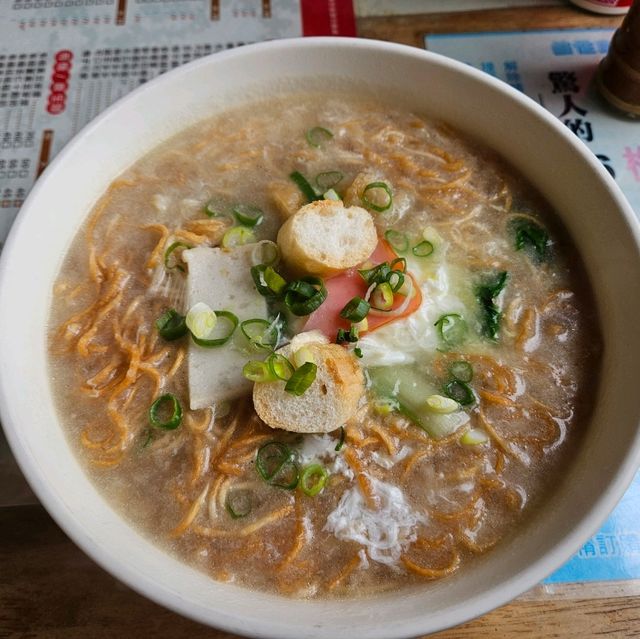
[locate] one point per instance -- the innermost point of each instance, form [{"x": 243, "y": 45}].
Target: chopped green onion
[
  {"x": 460, "y": 392},
  {"x": 386, "y": 405},
  {"x": 376, "y": 187},
  {"x": 211, "y": 209},
  {"x": 171, "y": 325},
  {"x": 399, "y": 241},
  {"x": 201, "y": 320},
  {"x": 269, "y": 253},
  {"x": 304, "y": 186},
  {"x": 238, "y": 236},
  {"x": 527, "y": 232},
  {"x": 305, "y": 295},
  {"x": 256, "y": 371},
  {"x": 248, "y": 214},
  {"x": 231, "y": 322},
  {"x": 317, "y": 135},
  {"x": 340, "y": 443},
  {"x": 474, "y": 437},
  {"x": 288, "y": 476},
  {"x": 261, "y": 333},
  {"x": 313, "y": 479},
  {"x": 442, "y": 405},
  {"x": 303, "y": 355},
  {"x": 452, "y": 329},
  {"x": 280, "y": 367},
  {"x": 396, "y": 280},
  {"x": 423, "y": 249},
  {"x": 328, "y": 179},
  {"x": 357, "y": 351},
  {"x": 239, "y": 503},
  {"x": 382, "y": 297},
  {"x": 257, "y": 273},
  {"x": 274, "y": 463},
  {"x": 355, "y": 310},
  {"x": 158, "y": 406},
  {"x": 486, "y": 294},
  {"x": 331, "y": 195},
  {"x": 169, "y": 252},
  {"x": 402, "y": 262},
  {"x": 274, "y": 280},
  {"x": 347, "y": 337},
  {"x": 301, "y": 379},
  {"x": 461, "y": 370},
  {"x": 376, "y": 275}
]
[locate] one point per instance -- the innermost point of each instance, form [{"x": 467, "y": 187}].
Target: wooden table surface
[{"x": 49, "y": 588}]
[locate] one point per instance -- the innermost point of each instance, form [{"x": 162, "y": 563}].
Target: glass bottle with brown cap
[{"x": 618, "y": 76}]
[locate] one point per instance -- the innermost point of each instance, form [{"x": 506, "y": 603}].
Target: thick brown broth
[{"x": 534, "y": 386}]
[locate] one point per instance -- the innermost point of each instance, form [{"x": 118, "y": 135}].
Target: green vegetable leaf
[
  {"x": 528, "y": 233},
  {"x": 490, "y": 314}
]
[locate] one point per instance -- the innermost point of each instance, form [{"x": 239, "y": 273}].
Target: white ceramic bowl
[{"x": 591, "y": 206}]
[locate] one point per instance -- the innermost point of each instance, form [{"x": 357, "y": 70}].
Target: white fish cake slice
[{"x": 221, "y": 278}]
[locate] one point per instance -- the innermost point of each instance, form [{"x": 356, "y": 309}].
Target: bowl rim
[{"x": 506, "y": 590}]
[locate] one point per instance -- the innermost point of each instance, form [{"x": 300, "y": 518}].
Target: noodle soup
[{"x": 480, "y": 355}]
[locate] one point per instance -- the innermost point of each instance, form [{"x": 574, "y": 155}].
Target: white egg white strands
[{"x": 385, "y": 532}]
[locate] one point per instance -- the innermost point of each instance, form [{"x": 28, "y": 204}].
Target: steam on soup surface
[{"x": 479, "y": 349}]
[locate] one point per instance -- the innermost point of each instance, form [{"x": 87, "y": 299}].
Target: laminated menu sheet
[
  {"x": 64, "y": 61},
  {"x": 556, "y": 68}
]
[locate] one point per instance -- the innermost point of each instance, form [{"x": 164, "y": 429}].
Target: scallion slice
[
  {"x": 168, "y": 263},
  {"x": 396, "y": 280},
  {"x": 461, "y": 370},
  {"x": 305, "y": 295},
  {"x": 399, "y": 241},
  {"x": 401, "y": 262},
  {"x": 274, "y": 281},
  {"x": 441, "y": 404},
  {"x": 257, "y": 274},
  {"x": 212, "y": 209},
  {"x": 474, "y": 437},
  {"x": 274, "y": 463},
  {"x": 331, "y": 195},
  {"x": 280, "y": 367},
  {"x": 201, "y": 320},
  {"x": 248, "y": 214},
  {"x": 159, "y": 406},
  {"x": 261, "y": 333},
  {"x": 171, "y": 325},
  {"x": 229, "y": 322},
  {"x": 347, "y": 337},
  {"x": 301, "y": 379},
  {"x": 423, "y": 249},
  {"x": 376, "y": 275},
  {"x": 328, "y": 179},
  {"x": 452, "y": 328},
  {"x": 256, "y": 371},
  {"x": 381, "y": 203},
  {"x": 313, "y": 479},
  {"x": 340, "y": 443},
  {"x": 267, "y": 253},
  {"x": 355, "y": 310},
  {"x": 382, "y": 297},
  {"x": 238, "y": 236},
  {"x": 460, "y": 392},
  {"x": 239, "y": 503},
  {"x": 317, "y": 135},
  {"x": 304, "y": 186}
]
